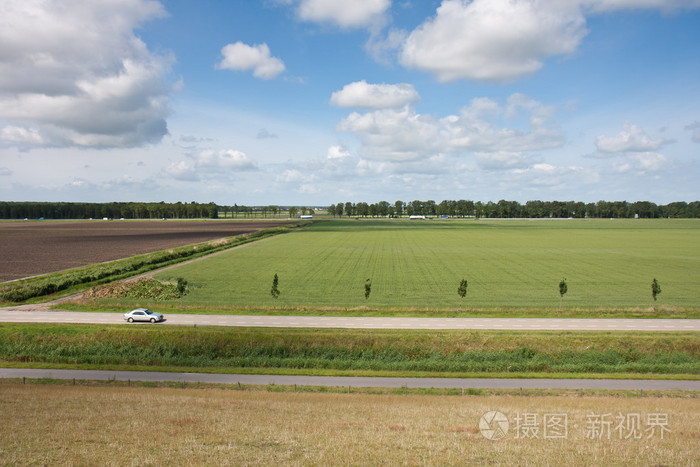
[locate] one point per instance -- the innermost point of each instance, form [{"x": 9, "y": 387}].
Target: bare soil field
[{"x": 33, "y": 248}]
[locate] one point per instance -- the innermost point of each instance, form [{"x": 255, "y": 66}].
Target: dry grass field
[{"x": 78, "y": 425}]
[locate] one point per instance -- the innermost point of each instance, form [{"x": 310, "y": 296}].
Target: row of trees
[
  {"x": 513, "y": 209},
  {"x": 237, "y": 211},
  {"x": 61, "y": 210},
  {"x": 452, "y": 208}
]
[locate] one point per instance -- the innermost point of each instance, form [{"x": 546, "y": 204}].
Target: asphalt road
[
  {"x": 357, "y": 382},
  {"x": 23, "y": 315}
]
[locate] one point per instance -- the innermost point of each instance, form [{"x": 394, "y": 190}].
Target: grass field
[
  {"x": 354, "y": 352},
  {"x": 508, "y": 264},
  {"x": 75, "y": 425}
]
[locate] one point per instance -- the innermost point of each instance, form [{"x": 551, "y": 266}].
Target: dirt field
[{"x": 38, "y": 247}]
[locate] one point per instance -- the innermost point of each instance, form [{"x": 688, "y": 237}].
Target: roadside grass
[
  {"x": 119, "y": 305},
  {"x": 63, "y": 283},
  {"x": 313, "y": 351},
  {"x": 418, "y": 266},
  {"x": 59, "y": 424}
]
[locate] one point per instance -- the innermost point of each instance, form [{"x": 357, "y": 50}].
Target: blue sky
[{"x": 312, "y": 102}]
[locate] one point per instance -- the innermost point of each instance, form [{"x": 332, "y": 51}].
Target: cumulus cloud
[
  {"x": 182, "y": 170},
  {"x": 243, "y": 57},
  {"x": 405, "y": 135},
  {"x": 630, "y": 139},
  {"x": 73, "y": 73},
  {"x": 5, "y": 172},
  {"x": 493, "y": 40},
  {"x": 228, "y": 159},
  {"x": 641, "y": 163},
  {"x": 350, "y": 14},
  {"x": 394, "y": 134},
  {"x": 374, "y": 96},
  {"x": 212, "y": 164},
  {"x": 695, "y": 129},
  {"x": 501, "y": 160},
  {"x": 503, "y": 40},
  {"x": 337, "y": 152}
]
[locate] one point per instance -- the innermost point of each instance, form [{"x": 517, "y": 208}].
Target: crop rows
[{"x": 506, "y": 264}]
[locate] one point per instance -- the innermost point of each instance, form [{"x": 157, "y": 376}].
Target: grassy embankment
[
  {"x": 513, "y": 268},
  {"x": 52, "y": 425},
  {"x": 79, "y": 279},
  {"x": 353, "y": 352}
]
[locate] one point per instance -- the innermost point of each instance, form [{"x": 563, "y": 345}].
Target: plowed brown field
[{"x": 38, "y": 247}]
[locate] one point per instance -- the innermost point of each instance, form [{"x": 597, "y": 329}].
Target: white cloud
[
  {"x": 337, "y": 152},
  {"x": 73, "y": 73},
  {"x": 374, "y": 96},
  {"x": 22, "y": 136},
  {"x": 211, "y": 164},
  {"x": 645, "y": 162},
  {"x": 394, "y": 134},
  {"x": 501, "y": 160},
  {"x": 476, "y": 128},
  {"x": 182, "y": 171},
  {"x": 493, "y": 40},
  {"x": 630, "y": 139},
  {"x": 347, "y": 14},
  {"x": 243, "y": 57},
  {"x": 404, "y": 135},
  {"x": 228, "y": 159},
  {"x": 5, "y": 172},
  {"x": 291, "y": 176}
]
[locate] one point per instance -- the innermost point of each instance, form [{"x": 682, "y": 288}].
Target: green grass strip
[{"x": 349, "y": 350}]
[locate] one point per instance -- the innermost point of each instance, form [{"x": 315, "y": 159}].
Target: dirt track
[{"x": 38, "y": 247}]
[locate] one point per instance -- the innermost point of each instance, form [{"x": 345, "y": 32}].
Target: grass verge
[
  {"x": 661, "y": 312},
  {"x": 347, "y": 350}
]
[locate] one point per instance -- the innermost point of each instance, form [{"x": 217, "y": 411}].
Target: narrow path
[{"x": 357, "y": 382}]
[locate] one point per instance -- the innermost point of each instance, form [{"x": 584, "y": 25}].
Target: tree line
[
  {"x": 115, "y": 210},
  {"x": 451, "y": 208},
  {"x": 138, "y": 210},
  {"x": 514, "y": 209}
]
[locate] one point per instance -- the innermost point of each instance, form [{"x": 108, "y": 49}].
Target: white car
[{"x": 143, "y": 314}]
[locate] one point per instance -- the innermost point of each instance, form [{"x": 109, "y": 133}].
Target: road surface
[
  {"x": 23, "y": 315},
  {"x": 353, "y": 381}
]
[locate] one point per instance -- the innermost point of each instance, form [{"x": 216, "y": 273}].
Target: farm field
[
  {"x": 38, "y": 247},
  {"x": 418, "y": 265},
  {"x": 62, "y": 424}
]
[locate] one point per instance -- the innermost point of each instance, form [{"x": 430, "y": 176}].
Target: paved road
[
  {"x": 357, "y": 382},
  {"x": 22, "y": 314}
]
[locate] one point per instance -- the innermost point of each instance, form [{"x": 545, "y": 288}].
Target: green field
[{"x": 418, "y": 265}]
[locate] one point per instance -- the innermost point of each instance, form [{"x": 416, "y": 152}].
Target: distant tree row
[
  {"x": 135, "y": 210},
  {"x": 236, "y": 211},
  {"x": 129, "y": 210},
  {"x": 513, "y": 209}
]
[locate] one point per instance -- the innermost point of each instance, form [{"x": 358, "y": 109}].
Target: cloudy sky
[{"x": 311, "y": 102}]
